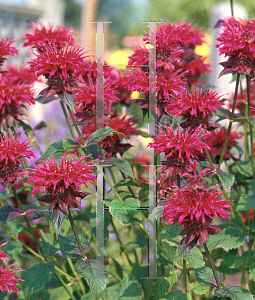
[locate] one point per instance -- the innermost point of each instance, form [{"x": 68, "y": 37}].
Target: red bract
[
  {"x": 11, "y": 152},
  {"x": 61, "y": 68},
  {"x": 43, "y": 34},
  {"x": 237, "y": 41},
  {"x": 194, "y": 209},
  {"x": 62, "y": 183},
  {"x": 6, "y": 49},
  {"x": 112, "y": 144},
  {"x": 12, "y": 98}
]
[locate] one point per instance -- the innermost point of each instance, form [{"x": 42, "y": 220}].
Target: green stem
[
  {"x": 64, "y": 285},
  {"x": 132, "y": 239},
  {"x": 246, "y": 262},
  {"x": 123, "y": 250},
  {"x": 251, "y": 127},
  {"x": 230, "y": 123},
  {"x": 76, "y": 127},
  {"x": 28, "y": 224},
  {"x": 232, "y": 8},
  {"x": 212, "y": 265},
  {"x": 161, "y": 249},
  {"x": 75, "y": 233},
  {"x": 99, "y": 145},
  {"x": 67, "y": 120},
  {"x": 185, "y": 276},
  {"x": 76, "y": 276}
]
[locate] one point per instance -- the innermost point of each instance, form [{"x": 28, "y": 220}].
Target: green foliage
[{"x": 234, "y": 292}]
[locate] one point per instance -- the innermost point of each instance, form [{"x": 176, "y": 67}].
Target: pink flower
[
  {"x": 62, "y": 183},
  {"x": 11, "y": 152},
  {"x": 6, "y": 49},
  {"x": 43, "y": 34}
]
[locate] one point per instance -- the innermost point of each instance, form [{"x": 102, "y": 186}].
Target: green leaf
[
  {"x": 170, "y": 232},
  {"x": 243, "y": 167},
  {"x": 127, "y": 289},
  {"x": 36, "y": 277},
  {"x": 223, "y": 113},
  {"x": 61, "y": 146},
  {"x": 232, "y": 261},
  {"x": 14, "y": 228},
  {"x": 69, "y": 247},
  {"x": 144, "y": 133},
  {"x": 234, "y": 292},
  {"x": 57, "y": 219},
  {"x": 178, "y": 295},
  {"x": 132, "y": 182},
  {"x": 205, "y": 276},
  {"x": 162, "y": 287},
  {"x": 122, "y": 164},
  {"x": 115, "y": 269},
  {"x": 8, "y": 213},
  {"x": 14, "y": 250},
  {"x": 58, "y": 293},
  {"x": 124, "y": 213},
  {"x": 27, "y": 128},
  {"x": 67, "y": 98},
  {"x": 195, "y": 258},
  {"x": 100, "y": 134},
  {"x": 140, "y": 242},
  {"x": 252, "y": 270},
  {"x": 95, "y": 274},
  {"x": 250, "y": 120},
  {"x": 48, "y": 244},
  {"x": 34, "y": 214},
  {"x": 198, "y": 288},
  {"x": 229, "y": 238},
  {"x": 226, "y": 179},
  {"x": 246, "y": 202}
]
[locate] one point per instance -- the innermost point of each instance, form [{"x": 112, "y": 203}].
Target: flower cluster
[
  {"x": 193, "y": 207},
  {"x": 11, "y": 152},
  {"x": 62, "y": 183},
  {"x": 7, "y": 281},
  {"x": 5, "y": 50},
  {"x": 237, "y": 41}
]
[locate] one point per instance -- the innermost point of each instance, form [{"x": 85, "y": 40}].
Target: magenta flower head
[
  {"x": 11, "y": 152},
  {"x": 6, "y": 49},
  {"x": 179, "y": 149},
  {"x": 62, "y": 184},
  {"x": 7, "y": 281},
  {"x": 13, "y": 97},
  {"x": 237, "y": 41},
  {"x": 61, "y": 68},
  {"x": 47, "y": 34},
  {"x": 193, "y": 208}
]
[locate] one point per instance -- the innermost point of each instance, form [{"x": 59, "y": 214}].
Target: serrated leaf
[
  {"x": 229, "y": 238},
  {"x": 205, "y": 276},
  {"x": 178, "y": 295},
  {"x": 232, "y": 261},
  {"x": 243, "y": 167},
  {"x": 33, "y": 214},
  {"x": 245, "y": 203},
  {"x": 226, "y": 179},
  {"x": 115, "y": 269},
  {"x": 157, "y": 212},
  {"x": 122, "y": 164},
  {"x": 14, "y": 250},
  {"x": 124, "y": 213},
  {"x": 100, "y": 134},
  {"x": 140, "y": 242},
  {"x": 67, "y": 98},
  {"x": 234, "y": 292},
  {"x": 95, "y": 274},
  {"x": 60, "y": 147},
  {"x": 57, "y": 219},
  {"x": 127, "y": 289},
  {"x": 8, "y": 213},
  {"x": 14, "y": 228},
  {"x": 195, "y": 258},
  {"x": 162, "y": 287},
  {"x": 48, "y": 244},
  {"x": 36, "y": 277},
  {"x": 69, "y": 247},
  {"x": 250, "y": 120},
  {"x": 58, "y": 293},
  {"x": 171, "y": 231},
  {"x": 199, "y": 288}
]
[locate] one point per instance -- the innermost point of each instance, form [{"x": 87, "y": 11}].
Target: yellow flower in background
[
  {"x": 205, "y": 49},
  {"x": 118, "y": 58}
]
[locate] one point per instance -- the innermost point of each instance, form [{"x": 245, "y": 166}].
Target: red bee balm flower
[
  {"x": 62, "y": 184},
  {"x": 40, "y": 34},
  {"x": 11, "y": 152},
  {"x": 62, "y": 68},
  {"x": 194, "y": 209},
  {"x": 6, "y": 49},
  {"x": 6, "y": 275},
  {"x": 179, "y": 148}
]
